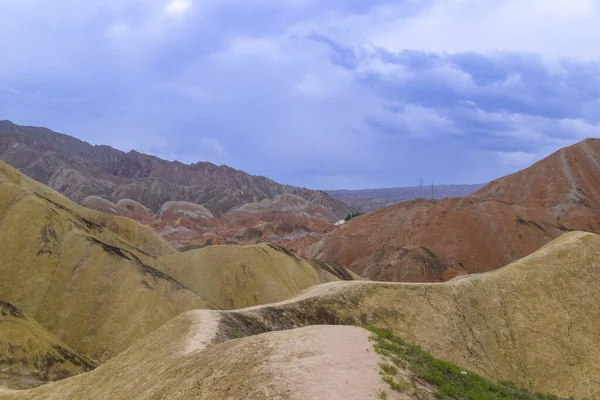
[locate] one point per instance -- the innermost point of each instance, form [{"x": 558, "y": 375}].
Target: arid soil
[
  {"x": 95, "y": 281},
  {"x": 436, "y": 240},
  {"x": 533, "y": 322}
]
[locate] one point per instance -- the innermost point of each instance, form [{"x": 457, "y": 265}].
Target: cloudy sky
[{"x": 323, "y": 94}]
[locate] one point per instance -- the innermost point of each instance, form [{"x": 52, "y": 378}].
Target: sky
[{"x": 323, "y": 94}]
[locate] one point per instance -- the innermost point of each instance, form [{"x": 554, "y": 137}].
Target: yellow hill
[
  {"x": 82, "y": 275},
  {"x": 30, "y": 355},
  {"x": 123, "y": 231},
  {"x": 96, "y": 281},
  {"x": 533, "y": 322},
  {"x": 298, "y": 364},
  {"x": 236, "y": 277}
]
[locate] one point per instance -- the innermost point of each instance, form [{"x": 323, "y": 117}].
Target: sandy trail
[
  {"x": 203, "y": 328},
  {"x": 328, "y": 362}
]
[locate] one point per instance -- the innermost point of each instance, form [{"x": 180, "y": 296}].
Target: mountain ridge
[
  {"x": 80, "y": 169},
  {"x": 435, "y": 240}
]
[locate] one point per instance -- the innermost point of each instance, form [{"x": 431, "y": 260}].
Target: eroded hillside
[
  {"x": 30, "y": 355},
  {"x": 533, "y": 322},
  {"x": 83, "y": 275},
  {"x": 95, "y": 281},
  {"x": 431, "y": 240}
]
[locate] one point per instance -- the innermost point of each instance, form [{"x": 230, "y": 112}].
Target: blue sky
[{"x": 324, "y": 94}]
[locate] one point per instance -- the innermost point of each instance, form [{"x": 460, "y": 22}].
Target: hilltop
[{"x": 436, "y": 240}]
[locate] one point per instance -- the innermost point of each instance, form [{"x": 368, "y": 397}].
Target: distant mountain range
[
  {"x": 189, "y": 205},
  {"x": 78, "y": 170},
  {"x": 366, "y": 200}
]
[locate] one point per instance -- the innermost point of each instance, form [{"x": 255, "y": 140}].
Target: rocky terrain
[
  {"x": 367, "y": 200},
  {"x": 287, "y": 220},
  {"x": 436, "y": 240},
  {"x": 95, "y": 281},
  {"x": 533, "y": 323},
  {"x": 159, "y": 192}
]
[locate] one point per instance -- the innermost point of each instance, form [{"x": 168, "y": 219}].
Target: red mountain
[{"x": 430, "y": 240}]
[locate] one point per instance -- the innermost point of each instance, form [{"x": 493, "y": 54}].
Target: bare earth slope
[
  {"x": 78, "y": 170},
  {"x": 430, "y": 240},
  {"x": 30, "y": 355},
  {"x": 236, "y": 277},
  {"x": 82, "y": 275},
  {"x": 309, "y": 363},
  {"x": 95, "y": 280},
  {"x": 533, "y": 322}
]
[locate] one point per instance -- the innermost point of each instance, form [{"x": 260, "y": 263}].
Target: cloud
[
  {"x": 177, "y": 7},
  {"x": 321, "y": 94}
]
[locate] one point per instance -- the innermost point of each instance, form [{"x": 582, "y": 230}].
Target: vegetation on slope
[
  {"x": 448, "y": 380},
  {"x": 352, "y": 215}
]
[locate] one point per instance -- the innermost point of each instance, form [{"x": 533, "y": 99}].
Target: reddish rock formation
[
  {"x": 287, "y": 220},
  {"x": 424, "y": 240},
  {"x": 125, "y": 208}
]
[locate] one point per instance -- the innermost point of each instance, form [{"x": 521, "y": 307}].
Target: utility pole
[
  {"x": 431, "y": 190},
  {"x": 420, "y": 188}
]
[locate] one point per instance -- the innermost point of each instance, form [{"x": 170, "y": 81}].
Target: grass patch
[
  {"x": 449, "y": 380},
  {"x": 397, "y": 384},
  {"x": 388, "y": 369}
]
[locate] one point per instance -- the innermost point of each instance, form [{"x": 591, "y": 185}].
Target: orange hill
[{"x": 429, "y": 240}]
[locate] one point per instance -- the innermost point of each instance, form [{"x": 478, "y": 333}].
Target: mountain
[
  {"x": 367, "y": 200},
  {"x": 95, "y": 281},
  {"x": 533, "y": 322},
  {"x": 189, "y": 205},
  {"x": 78, "y": 170},
  {"x": 436, "y": 240}
]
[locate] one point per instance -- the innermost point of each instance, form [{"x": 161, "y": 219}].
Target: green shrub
[
  {"x": 399, "y": 385},
  {"x": 449, "y": 380},
  {"x": 353, "y": 215},
  {"x": 382, "y": 394},
  {"x": 388, "y": 369}
]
